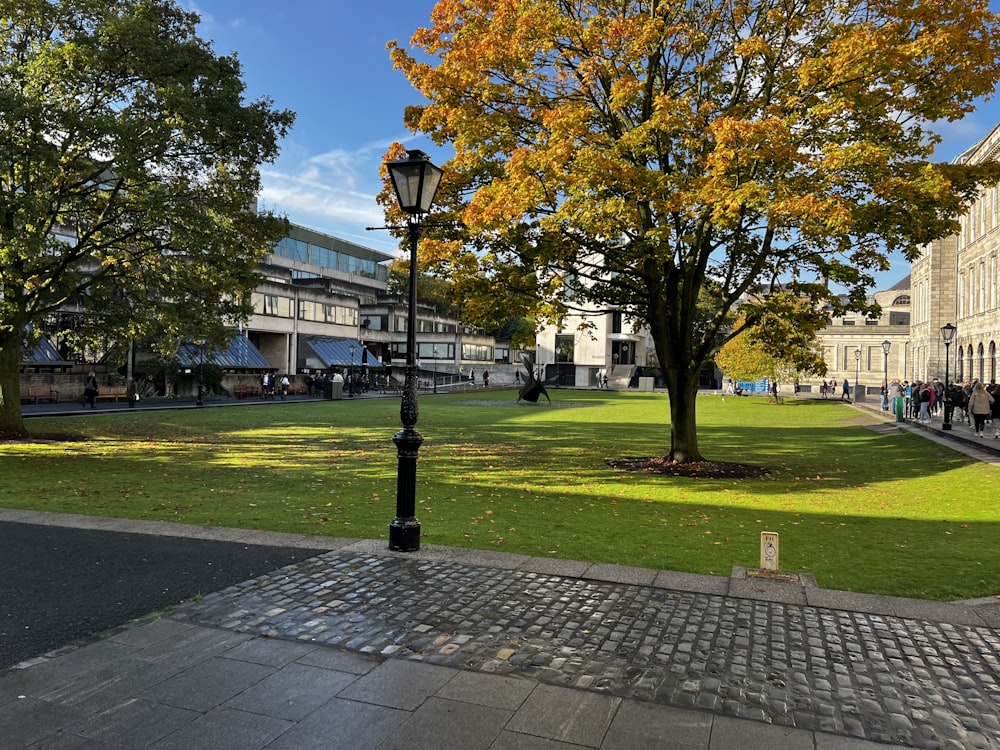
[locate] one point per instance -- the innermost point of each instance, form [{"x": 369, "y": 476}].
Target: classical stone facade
[{"x": 953, "y": 281}]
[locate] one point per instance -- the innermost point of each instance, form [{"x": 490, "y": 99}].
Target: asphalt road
[{"x": 63, "y": 585}]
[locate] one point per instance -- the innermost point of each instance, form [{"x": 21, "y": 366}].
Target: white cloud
[{"x": 333, "y": 191}]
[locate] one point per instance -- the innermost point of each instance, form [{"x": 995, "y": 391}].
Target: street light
[
  {"x": 435, "y": 371},
  {"x": 886, "y": 346},
  {"x": 857, "y": 371},
  {"x": 350, "y": 374},
  {"x": 947, "y": 335},
  {"x": 415, "y": 181},
  {"x": 201, "y": 375}
]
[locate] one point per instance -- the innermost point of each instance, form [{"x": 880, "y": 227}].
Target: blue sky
[{"x": 326, "y": 60}]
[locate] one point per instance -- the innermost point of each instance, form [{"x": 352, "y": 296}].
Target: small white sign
[{"x": 768, "y": 550}]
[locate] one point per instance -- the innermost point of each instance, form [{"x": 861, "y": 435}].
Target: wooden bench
[
  {"x": 112, "y": 392},
  {"x": 246, "y": 390},
  {"x": 37, "y": 393}
]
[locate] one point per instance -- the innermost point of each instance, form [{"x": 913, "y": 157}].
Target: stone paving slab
[{"x": 790, "y": 665}]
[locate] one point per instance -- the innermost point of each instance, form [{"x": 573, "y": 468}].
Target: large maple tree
[{"x": 627, "y": 154}]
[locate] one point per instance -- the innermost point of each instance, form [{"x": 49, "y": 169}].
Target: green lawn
[{"x": 862, "y": 510}]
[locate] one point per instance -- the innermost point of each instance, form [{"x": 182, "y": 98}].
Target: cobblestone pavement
[{"x": 902, "y": 681}]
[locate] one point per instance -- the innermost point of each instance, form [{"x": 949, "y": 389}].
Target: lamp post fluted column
[
  {"x": 415, "y": 181},
  {"x": 947, "y": 334},
  {"x": 886, "y": 345},
  {"x": 404, "y": 531},
  {"x": 857, "y": 372}
]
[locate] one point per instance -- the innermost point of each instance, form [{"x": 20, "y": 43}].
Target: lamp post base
[
  {"x": 404, "y": 531},
  {"x": 404, "y": 535}
]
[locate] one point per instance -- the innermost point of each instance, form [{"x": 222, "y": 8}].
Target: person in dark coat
[{"x": 90, "y": 391}]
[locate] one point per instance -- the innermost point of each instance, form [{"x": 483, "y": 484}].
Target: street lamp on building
[
  {"x": 947, "y": 336},
  {"x": 415, "y": 181},
  {"x": 886, "y": 346},
  {"x": 350, "y": 374},
  {"x": 857, "y": 371}
]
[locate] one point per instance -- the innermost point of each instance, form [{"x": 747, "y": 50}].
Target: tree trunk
[
  {"x": 682, "y": 389},
  {"x": 10, "y": 381}
]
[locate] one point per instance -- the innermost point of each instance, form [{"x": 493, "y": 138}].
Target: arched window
[
  {"x": 993, "y": 362},
  {"x": 982, "y": 364},
  {"x": 959, "y": 374},
  {"x": 903, "y": 299}
]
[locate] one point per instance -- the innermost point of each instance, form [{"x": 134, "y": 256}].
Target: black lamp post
[
  {"x": 201, "y": 375},
  {"x": 857, "y": 371},
  {"x": 947, "y": 335},
  {"x": 350, "y": 375},
  {"x": 415, "y": 181},
  {"x": 886, "y": 346}
]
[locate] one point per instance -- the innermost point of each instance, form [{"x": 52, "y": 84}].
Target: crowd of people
[{"x": 972, "y": 402}]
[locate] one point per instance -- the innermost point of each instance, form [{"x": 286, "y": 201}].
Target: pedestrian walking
[
  {"x": 980, "y": 406},
  {"x": 486, "y": 378},
  {"x": 845, "y": 392},
  {"x": 131, "y": 393},
  {"x": 924, "y": 399},
  {"x": 995, "y": 410},
  {"x": 285, "y": 384},
  {"x": 90, "y": 390}
]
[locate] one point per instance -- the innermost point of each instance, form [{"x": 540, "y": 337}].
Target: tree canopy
[
  {"x": 634, "y": 154},
  {"x": 129, "y": 176}
]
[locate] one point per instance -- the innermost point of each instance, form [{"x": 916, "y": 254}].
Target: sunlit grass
[{"x": 862, "y": 510}]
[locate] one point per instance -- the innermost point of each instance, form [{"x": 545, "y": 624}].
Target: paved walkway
[{"x": 360, "y": 647}]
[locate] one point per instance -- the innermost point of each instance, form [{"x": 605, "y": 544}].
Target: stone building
[{"x": 954, "y": 281}]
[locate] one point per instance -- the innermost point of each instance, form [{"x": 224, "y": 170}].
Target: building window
[
  {"x": 616, "y": 321},
  {"x": 993, "y": 282},
  {"x": 564, "y": 348},
  {"x": 982, "y": 286},
  {"x": 430, "y": 350},
  {"x": 477, "y": 352},
  {"x": 271, "y": 304},
  {"x": 847, "y": 322}
]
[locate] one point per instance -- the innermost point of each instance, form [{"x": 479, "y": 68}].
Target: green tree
[
  {"x": 627, "y": 154},
  {"x": 775, "y": 338},
  {"x": 128, "y": 177}
]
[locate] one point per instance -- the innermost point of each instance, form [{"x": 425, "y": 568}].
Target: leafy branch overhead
[
  {"x": 629, "y": 154},
  {"x": 129, "y": 179}
]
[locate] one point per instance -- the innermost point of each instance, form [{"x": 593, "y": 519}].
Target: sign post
[{"x": 768, "y": 550}]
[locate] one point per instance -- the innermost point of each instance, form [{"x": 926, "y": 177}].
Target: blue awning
[
  {"x": 240, "y": 353},
  {"x": 337, "y": 352},
  {"x": 44, "y": 354}
]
